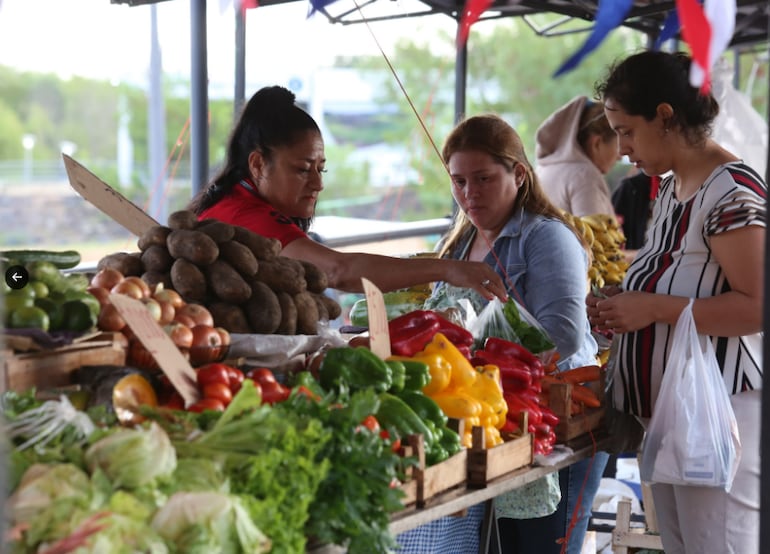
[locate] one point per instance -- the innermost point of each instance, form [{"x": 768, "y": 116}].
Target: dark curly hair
[
  {"x": 270, "y": 119},
  {"x": 642, "y": 81}
]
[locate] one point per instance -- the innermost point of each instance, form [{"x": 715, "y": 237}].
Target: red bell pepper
[
  {"x": 410, "y": 332},
  {"x": 510, "y": 367},
  {"x": 507, "y": 348}
]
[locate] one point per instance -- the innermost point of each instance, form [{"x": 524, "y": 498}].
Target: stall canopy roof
[{"x": 751, "y": 27}]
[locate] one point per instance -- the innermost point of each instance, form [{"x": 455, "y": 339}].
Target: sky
[{"x": 97, "y": 39}]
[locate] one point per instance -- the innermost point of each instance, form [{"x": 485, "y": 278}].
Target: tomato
[
  {"x": 371, "y": 423},
  {"x": 174, "y": 402},
  {"x": 220, "y": 391},
  {"x": 273, "y": 391},
  {"x": 261, "y": 375},
  {"x": 234, "y": 378},
  {"x": 212, "y": 373},
  {"x": 207, "y": 404},
  {"x": 395, "y": 445}
]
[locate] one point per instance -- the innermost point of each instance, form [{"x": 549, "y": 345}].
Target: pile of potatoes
[{"x": 236, "y": 273}]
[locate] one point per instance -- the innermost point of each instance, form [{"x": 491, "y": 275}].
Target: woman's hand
[
  {"x": 621, "y": 312},
  {"x": 477, "y": 276}
]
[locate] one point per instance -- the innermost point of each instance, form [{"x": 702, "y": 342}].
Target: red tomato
[
  {"x": 234, "y": 378},
  {"x": 261, "y": 375},
  {"x": 207, "y": 404},
  {"x": 395, "y": 445},
  {"x": 273, "y": 392},
  {"x": 219, "y": 391},
  {"x": 212, "y": 373},
  {"x": 371, "y": 423},
  {"x": 174, "y": 402},
  {"x": 206, "y": 345}
]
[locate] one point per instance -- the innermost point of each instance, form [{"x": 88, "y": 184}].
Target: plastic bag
[
  {"x": 692, "y": 438},
  {"x": 491, "y": 322}
]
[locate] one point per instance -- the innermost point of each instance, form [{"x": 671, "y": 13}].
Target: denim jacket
[{"x": 545, "y": 270}]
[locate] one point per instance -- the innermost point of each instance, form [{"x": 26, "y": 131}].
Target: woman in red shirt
[{"x": 270, "y": 184}]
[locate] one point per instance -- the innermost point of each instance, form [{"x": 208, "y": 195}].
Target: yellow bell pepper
[
  {"x": 488, "y": 389},
  {"x": 440, "y": 372},
  {"x": 463, "y": 372},
  {"x": 458, "y": 403}
]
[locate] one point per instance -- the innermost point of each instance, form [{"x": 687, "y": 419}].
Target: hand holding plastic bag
[{"x": 692, "y": 438}]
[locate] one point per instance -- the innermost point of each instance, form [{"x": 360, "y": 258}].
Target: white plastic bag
[{"x": 692, "y": 437}]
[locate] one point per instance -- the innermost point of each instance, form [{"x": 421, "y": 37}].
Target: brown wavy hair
[{"x": 492, "y": 135}]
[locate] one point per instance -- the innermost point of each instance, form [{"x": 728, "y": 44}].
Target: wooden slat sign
[
  {"x": 379, "y": 337},
  {"x": 159, "y": 345}
]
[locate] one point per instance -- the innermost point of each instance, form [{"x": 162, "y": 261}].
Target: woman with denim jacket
[{"x": 506, "y": 220}]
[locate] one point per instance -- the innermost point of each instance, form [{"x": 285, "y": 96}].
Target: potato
[
  {"x": 193, "y": 246},
  {"x": 156, "y": 234},
  {"x": 263, "y": 309},
  {"x": 219, "y": 231},
  {"x": 263, "y": 248},
  {"x": 240, "y": 257},
  {"x": 156, "y": 258},
  {"x": 182, "y": 219},
  {"x": 230, "y": 317},
  {"x": 226, "y": 283},
  {"x": 127, "y": 264},
  {"x": 315, "y": 277},
  {"x": 288, "y": 325},
  {"x": 332, "y": 306},
  {"x": 154, "y": 278},
  {"x": 307, "y": 314},
  {"x": 188, "y": 280},
  {"x": 323, "y": 313},
  {"x": 282, "y": 274}
]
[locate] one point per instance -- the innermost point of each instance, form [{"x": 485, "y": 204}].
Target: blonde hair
[{"x": 492, "y": 135}]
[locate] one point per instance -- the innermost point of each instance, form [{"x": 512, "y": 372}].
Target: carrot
[
  {"x": 581, "y": 374},
  {"x": 584, "y": 395}
]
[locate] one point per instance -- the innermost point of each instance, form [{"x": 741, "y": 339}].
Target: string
[{"x": 181, "y": 140}]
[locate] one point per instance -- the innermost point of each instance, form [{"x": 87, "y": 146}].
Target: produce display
[
  {"x": 261, "y": 462},
  {"x": 605, "y": 237},
  {"x": 238, "y": 275}
]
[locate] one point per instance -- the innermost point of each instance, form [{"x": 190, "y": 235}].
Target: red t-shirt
[{"x": 241, "y": 207}]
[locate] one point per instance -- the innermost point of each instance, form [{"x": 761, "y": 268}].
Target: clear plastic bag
[
  {"x": 692, "y": 437},
  {"x": 491, "y": 322}
]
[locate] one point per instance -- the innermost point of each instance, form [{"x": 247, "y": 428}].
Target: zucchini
[{"x": 63, "y": 259}]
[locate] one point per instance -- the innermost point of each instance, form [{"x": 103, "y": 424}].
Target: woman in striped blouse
[{"x": 706, "y": 242}]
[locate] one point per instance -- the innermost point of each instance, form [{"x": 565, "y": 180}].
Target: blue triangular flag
[
  {"x": 609, "y": 15},
  {"x": 669, "y": 30}
]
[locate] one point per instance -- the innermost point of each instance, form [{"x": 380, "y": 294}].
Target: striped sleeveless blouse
[{"x": 676, "y": 260}]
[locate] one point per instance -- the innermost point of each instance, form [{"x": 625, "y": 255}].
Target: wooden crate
[
  {"x": 425, "y": 483},
  {"x": 486, "y": 464},
  {"x": 571, "y": 425},
  {"x": 53, "y": 368}
]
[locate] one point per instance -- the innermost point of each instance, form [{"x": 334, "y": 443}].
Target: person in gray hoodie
[{"x": 576, "y": 148}]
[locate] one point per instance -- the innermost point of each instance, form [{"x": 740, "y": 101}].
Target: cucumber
[{"x": 63, "y": 259}]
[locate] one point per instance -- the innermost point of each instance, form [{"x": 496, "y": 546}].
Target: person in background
[
  {"x": 706, "y": 241},
  {"x": 270, "y": 183},
  {"x": 575, "y": 149},
  {"x": 505, "y": 220},
  {"x": 632, "y": 200}
]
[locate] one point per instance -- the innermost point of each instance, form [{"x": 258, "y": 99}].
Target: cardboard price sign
[
  {"x": 379, "y": 336},
  {"x": 159, "y": 345}
]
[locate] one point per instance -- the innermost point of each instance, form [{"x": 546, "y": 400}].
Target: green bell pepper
[{"x": 357, "y": 368}]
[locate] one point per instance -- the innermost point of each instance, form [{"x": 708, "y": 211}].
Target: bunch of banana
[{"x": 605, "y": 236}]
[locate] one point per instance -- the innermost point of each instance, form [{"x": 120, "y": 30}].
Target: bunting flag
[
  {"x": 708, "y": 30},
  {"x": 318, "y": 5},
  {"x": 609, "y": 15},
  {"x": 471, "y": 14},
  {"x": 669, "y": 30}
]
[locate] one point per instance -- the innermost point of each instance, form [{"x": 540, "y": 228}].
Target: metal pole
[
  {"x": 240, "y": 58},
  {"x": 461, "y": 79},
  {"x": 199, "y": 98},
  {"x": 157, "y": 125}
]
